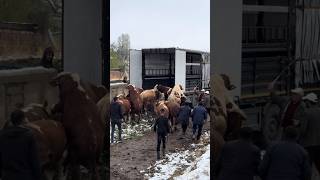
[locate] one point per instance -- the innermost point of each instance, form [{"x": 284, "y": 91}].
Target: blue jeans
[
  {"x": 113, "y": 126},
  {"x": 196, "y": 127}
]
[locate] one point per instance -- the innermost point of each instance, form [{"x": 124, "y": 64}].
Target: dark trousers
[
  {"x": 196, "y": 127},
  {"x": 314, "y": 156},
  {"x": 113, "y": 126},
  {"x": 184, "y": 127},
  {"x": 161, "y": 137}
]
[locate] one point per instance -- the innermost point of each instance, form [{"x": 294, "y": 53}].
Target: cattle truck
[{"x": 169, "y": 66}]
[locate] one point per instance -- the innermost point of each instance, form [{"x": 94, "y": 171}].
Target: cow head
[
  {"x": 67, "y": 82},
  {"x": 130, "y": 87}
]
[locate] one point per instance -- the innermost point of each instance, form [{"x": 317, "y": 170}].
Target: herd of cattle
[
  {"x": 72, "y": 132},
  {"x": 139, "y": 101}
]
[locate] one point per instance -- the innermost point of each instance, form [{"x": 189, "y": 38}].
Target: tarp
[{"x": 307, "y": 42}]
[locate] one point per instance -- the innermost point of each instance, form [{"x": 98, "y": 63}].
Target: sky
[{"x": 162, "y": 23}]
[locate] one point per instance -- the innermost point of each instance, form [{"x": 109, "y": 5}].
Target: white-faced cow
[{"x": 175, "y": 94}]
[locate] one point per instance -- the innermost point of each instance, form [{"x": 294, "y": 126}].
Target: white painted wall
[
  {"x": 135, "y": 69},
  {"x": 82, "y": 33},
  {"x": 226, "y": 34},
  {"x": 180, "y": 68}
]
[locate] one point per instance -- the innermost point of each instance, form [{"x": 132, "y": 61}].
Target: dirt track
[{"x": 130, "y": 157}]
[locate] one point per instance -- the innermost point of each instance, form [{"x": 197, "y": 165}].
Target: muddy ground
[{"x": 129, "y": 158}]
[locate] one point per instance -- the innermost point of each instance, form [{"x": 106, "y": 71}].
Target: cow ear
[
  {"x": 169, "y": 91},
  {"x": 180, "y": 86}
]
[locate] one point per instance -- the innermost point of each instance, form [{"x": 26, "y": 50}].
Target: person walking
[
  {"x": 116, "y": 115},
  {"x": 161, "y": 127},
  {"x": 183, "y": 117},
  {"x": 239, "y": 159},
  {"x": 310, "y": 135},
  {"x": 286, "y": 160},
  {"x": 19, "y": 154},
  {"x": 199, "y": 115}
]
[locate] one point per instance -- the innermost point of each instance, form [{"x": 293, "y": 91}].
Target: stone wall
[
  {"x": 118, "y": 88},
  {"x": 25, "y": 86}
]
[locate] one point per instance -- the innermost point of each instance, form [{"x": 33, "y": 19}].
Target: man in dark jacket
[
  {"x": 183, "y": 116},
  {"x": 199, "y": 115},
  {"x": 310, "y": 135},
  {"x": 286, "y": 160},
  {"x": 239, "y": 159},
  {"x": 116, "y": 116},
  {"x": 162, "y": 128},
  {"x": 18, "y": 151}
]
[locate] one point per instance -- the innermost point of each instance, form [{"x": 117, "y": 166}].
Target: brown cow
[
  {"x": 149, "y": 97},
  {"x": 135, "y": 101},
  {"x": 84, "y": 129},
  {"x": 173, "y": 112},
  {"x": 93, "y": 91},
  {"x": 163, "y": 89},
  {"x": 33, "y": 112},
  {"x": 159, "y": 106},
  {"x": 51, "y": 139},
  {"x": 139, "y": 90},
  {"x": 103, "y": 108},
  {"x": 126, "y": 106}
]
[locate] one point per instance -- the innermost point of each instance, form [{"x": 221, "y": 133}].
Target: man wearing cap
[
  {"x": 310, "y": 135},
  {"x": 292, "y": 109}
]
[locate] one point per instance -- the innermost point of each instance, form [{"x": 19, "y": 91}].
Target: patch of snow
[
  {"x": 193, "y": 163},
  {"x": 131, "y": 131},
  {"x": 201, "y": 168}
]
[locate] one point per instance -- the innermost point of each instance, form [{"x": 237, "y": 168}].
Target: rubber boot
[
  {"x": 158, "y": 155},
  {"x": 163, "y": 152}
]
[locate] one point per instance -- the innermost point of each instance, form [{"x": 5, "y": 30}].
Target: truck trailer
[{"x": 169, "y": 66}]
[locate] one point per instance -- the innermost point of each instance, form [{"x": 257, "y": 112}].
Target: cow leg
[{"x": 74, "y": 167}]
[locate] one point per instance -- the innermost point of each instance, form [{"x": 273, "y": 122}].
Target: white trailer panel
[
  {"x": 135, "y": 70},
  {"x": 180, "y": 68},
  {"x": 226, "y": 45}
]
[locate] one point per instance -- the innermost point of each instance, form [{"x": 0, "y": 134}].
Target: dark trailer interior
[{"x": 158, "y": 67}]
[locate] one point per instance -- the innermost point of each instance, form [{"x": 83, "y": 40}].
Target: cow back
[
  {"x": 84, "y": 127},
  {"x": 51, "y": 139},
  {"x": 135, "y": 100}
]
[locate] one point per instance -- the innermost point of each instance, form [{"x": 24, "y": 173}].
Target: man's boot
[
  {"x": 163, "y": 152},
  {"x": 158, "y": 155},
  {"x": 193, "y": 136}
]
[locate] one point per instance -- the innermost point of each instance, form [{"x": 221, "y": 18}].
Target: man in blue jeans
[
  {"x": 199, "y": 115},
  {"x": 116, "y": 115}
]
